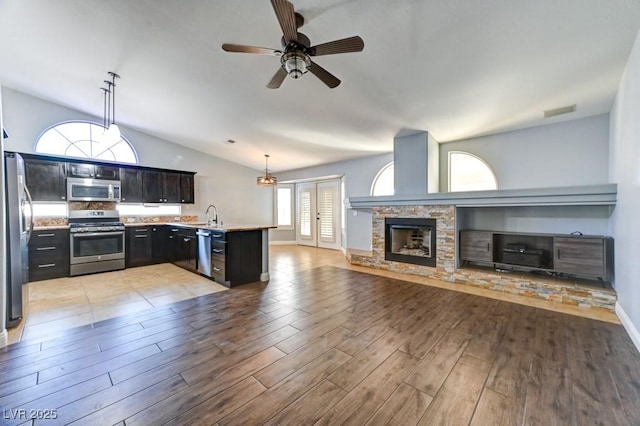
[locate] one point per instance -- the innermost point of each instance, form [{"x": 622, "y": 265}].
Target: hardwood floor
[{"x": 326, "y": 345}]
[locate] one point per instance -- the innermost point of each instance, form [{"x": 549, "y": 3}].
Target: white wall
[
  {"x": 231, "y": 187},
  {"x": 625, "y": 171},
  {"x": 358, "y": 176},
  {"x": 569, "y": 153}
]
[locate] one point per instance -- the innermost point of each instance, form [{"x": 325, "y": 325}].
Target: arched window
[
  {"x": 383, "y": 182},
  {"x": 82, "y": 139},
  {"x": 470, "y": 173}
]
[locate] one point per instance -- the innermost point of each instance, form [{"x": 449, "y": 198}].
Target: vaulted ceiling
[{"x": 455, "y": 68}]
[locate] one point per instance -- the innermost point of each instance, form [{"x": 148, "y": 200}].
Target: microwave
[{"x": 79, "y": 189}]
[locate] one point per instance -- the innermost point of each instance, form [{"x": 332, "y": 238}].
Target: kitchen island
[{"x": 230, "y": 255}]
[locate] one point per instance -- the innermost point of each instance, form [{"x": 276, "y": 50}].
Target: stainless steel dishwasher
[{"x": 204, "y": 252}]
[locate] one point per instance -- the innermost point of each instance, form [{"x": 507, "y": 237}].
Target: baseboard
[
  {"x": 282, "y": 243},
  {"x": 628, "y": 325},
  {"x": 4, "y": 338}
]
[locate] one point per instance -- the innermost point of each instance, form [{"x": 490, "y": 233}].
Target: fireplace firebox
[{"x": 410, "y": 240}]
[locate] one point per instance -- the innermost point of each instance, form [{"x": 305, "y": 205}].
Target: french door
[{"x": 318, "y": 214}]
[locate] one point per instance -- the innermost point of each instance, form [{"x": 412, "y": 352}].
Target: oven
[{"x": 97, "y": 241}]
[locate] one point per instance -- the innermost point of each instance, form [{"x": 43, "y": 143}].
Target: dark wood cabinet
[
  {"x": 45, "y": 179},
  {"x": 152, "y": 187},
  {"x": 476, "y": 246},
  {"x": 159, "y": 242},
  {"x": 130, "y": 185},
  {"x": 182, "y": 249},
  {"x": 146, "y": 245},
  {"x": 161, "y": 187},
  {"x": 236, "y": 257},
  {"x": 187, "y": 192},
  {"x": 171, "y": 187},
  {"x": 582, "y": 256},
  {"x": 138, "y": 246},
  {"x": 93, "y": 171},
  {"x": 48, "y": 254}
]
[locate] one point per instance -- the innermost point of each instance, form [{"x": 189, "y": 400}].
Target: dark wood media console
[{"x": 585, "y": 256}]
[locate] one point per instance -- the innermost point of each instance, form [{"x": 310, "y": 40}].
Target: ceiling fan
[{"x": 296, "y": 53}]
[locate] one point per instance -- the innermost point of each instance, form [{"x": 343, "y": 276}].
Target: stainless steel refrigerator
[{"x": 19, "y": 226}]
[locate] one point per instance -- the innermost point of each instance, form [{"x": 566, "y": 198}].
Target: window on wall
[
  {"x": 284, "y": 206},
  {"x": 383, "y": 182},
  {"x": 82, "y": 139},
  {"x": 470, "y": 173}
]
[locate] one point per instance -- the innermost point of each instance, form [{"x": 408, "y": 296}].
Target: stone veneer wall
[{"x": 547, "y": 288}]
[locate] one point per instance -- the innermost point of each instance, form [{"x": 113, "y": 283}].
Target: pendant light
[
  {"x": 267, "y": 179},
  {"x": 113, "y": 132}
]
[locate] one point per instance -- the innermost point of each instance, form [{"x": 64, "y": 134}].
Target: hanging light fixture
[
  {"x": 267, "y": 179},
  {"x": 112, "y": 131}
]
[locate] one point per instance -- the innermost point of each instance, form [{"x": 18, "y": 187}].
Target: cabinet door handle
[
  {"x": 216, "y": 269},
  {"x": 488, "y": 246},
  {"x": 558, "y": 253},
  {"x": 47, "y": 265},
  {"x": 46, "y": 235},
  {"x": 45, "y": 248},
  {"x": 140, "y": 236},
  {"x": 216, "y": 235},
  {"x": 217, "y": 250}
]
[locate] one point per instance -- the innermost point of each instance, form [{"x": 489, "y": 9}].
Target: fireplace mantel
[{"x": 587, "y": 195}]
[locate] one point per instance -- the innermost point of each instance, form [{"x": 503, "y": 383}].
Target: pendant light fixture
[
  {"x": 267, "y": 179},
  {"x": 112, "y": 131}
]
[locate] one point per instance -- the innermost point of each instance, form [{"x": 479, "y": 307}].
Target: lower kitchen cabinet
[
  {"x": 183, "y": 247},
  {"x": 48, "y": 254},
  {"x": 146, "y": 245},
  {"x": 236, "y": 257},
  {"x": 138, "y": 246},
  {"x": 159, "y": 242}
]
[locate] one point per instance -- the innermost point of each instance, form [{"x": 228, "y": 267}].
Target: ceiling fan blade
[
  {"x": 345, "y": 45},
  {"x": 325, "y": 76},
  {"x": 287, "y": 19},
  {"x": 238, "y": 48},
  {"x": 277, "y": 79}
]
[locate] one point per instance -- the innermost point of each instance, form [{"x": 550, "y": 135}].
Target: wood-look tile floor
[{"x": 321, "y": 344}]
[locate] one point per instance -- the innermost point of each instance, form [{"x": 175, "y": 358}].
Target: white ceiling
[{"x": 455, "y": 68}]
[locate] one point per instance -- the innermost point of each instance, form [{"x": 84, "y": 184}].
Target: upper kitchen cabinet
[
  {"x": 130, "y": 185},
  {"x": 93, "y": 171},
  {"x": 167, "y": 187},
  {"x": 160, "y": 187},
  {"x": 45, "y": 179},
  {"x": 187, "y": 188},
  {"x": 171, "y": 187}
]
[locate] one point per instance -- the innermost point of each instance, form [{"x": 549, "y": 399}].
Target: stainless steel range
[{"x": 97, "y": 241}]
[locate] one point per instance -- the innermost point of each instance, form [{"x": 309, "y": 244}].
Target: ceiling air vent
[{"x": 558, "y": 111}]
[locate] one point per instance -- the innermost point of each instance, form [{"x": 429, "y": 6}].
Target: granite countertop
[
  {"x": 50, "y": 227},
  {"x": 223, "y": 228},
  {"x": 195, "y": 225}
]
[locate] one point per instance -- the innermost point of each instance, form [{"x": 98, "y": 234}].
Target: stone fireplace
[
  {"x": 410, "y": 240},
  {"x": 444, "y": 255}
]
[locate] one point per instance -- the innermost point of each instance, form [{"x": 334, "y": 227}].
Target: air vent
[{"x": 558, "y": 111}]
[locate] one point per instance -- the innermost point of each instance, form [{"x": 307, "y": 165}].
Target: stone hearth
[{"x": 519, "y": 283}]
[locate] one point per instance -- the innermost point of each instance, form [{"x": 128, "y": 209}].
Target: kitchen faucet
[{"x": 213, "y": 221}]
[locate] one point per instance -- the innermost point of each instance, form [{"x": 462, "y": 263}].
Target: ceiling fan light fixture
[
  {"x": 296, "y": 64},
  {"x": 267, "y": 179}
]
